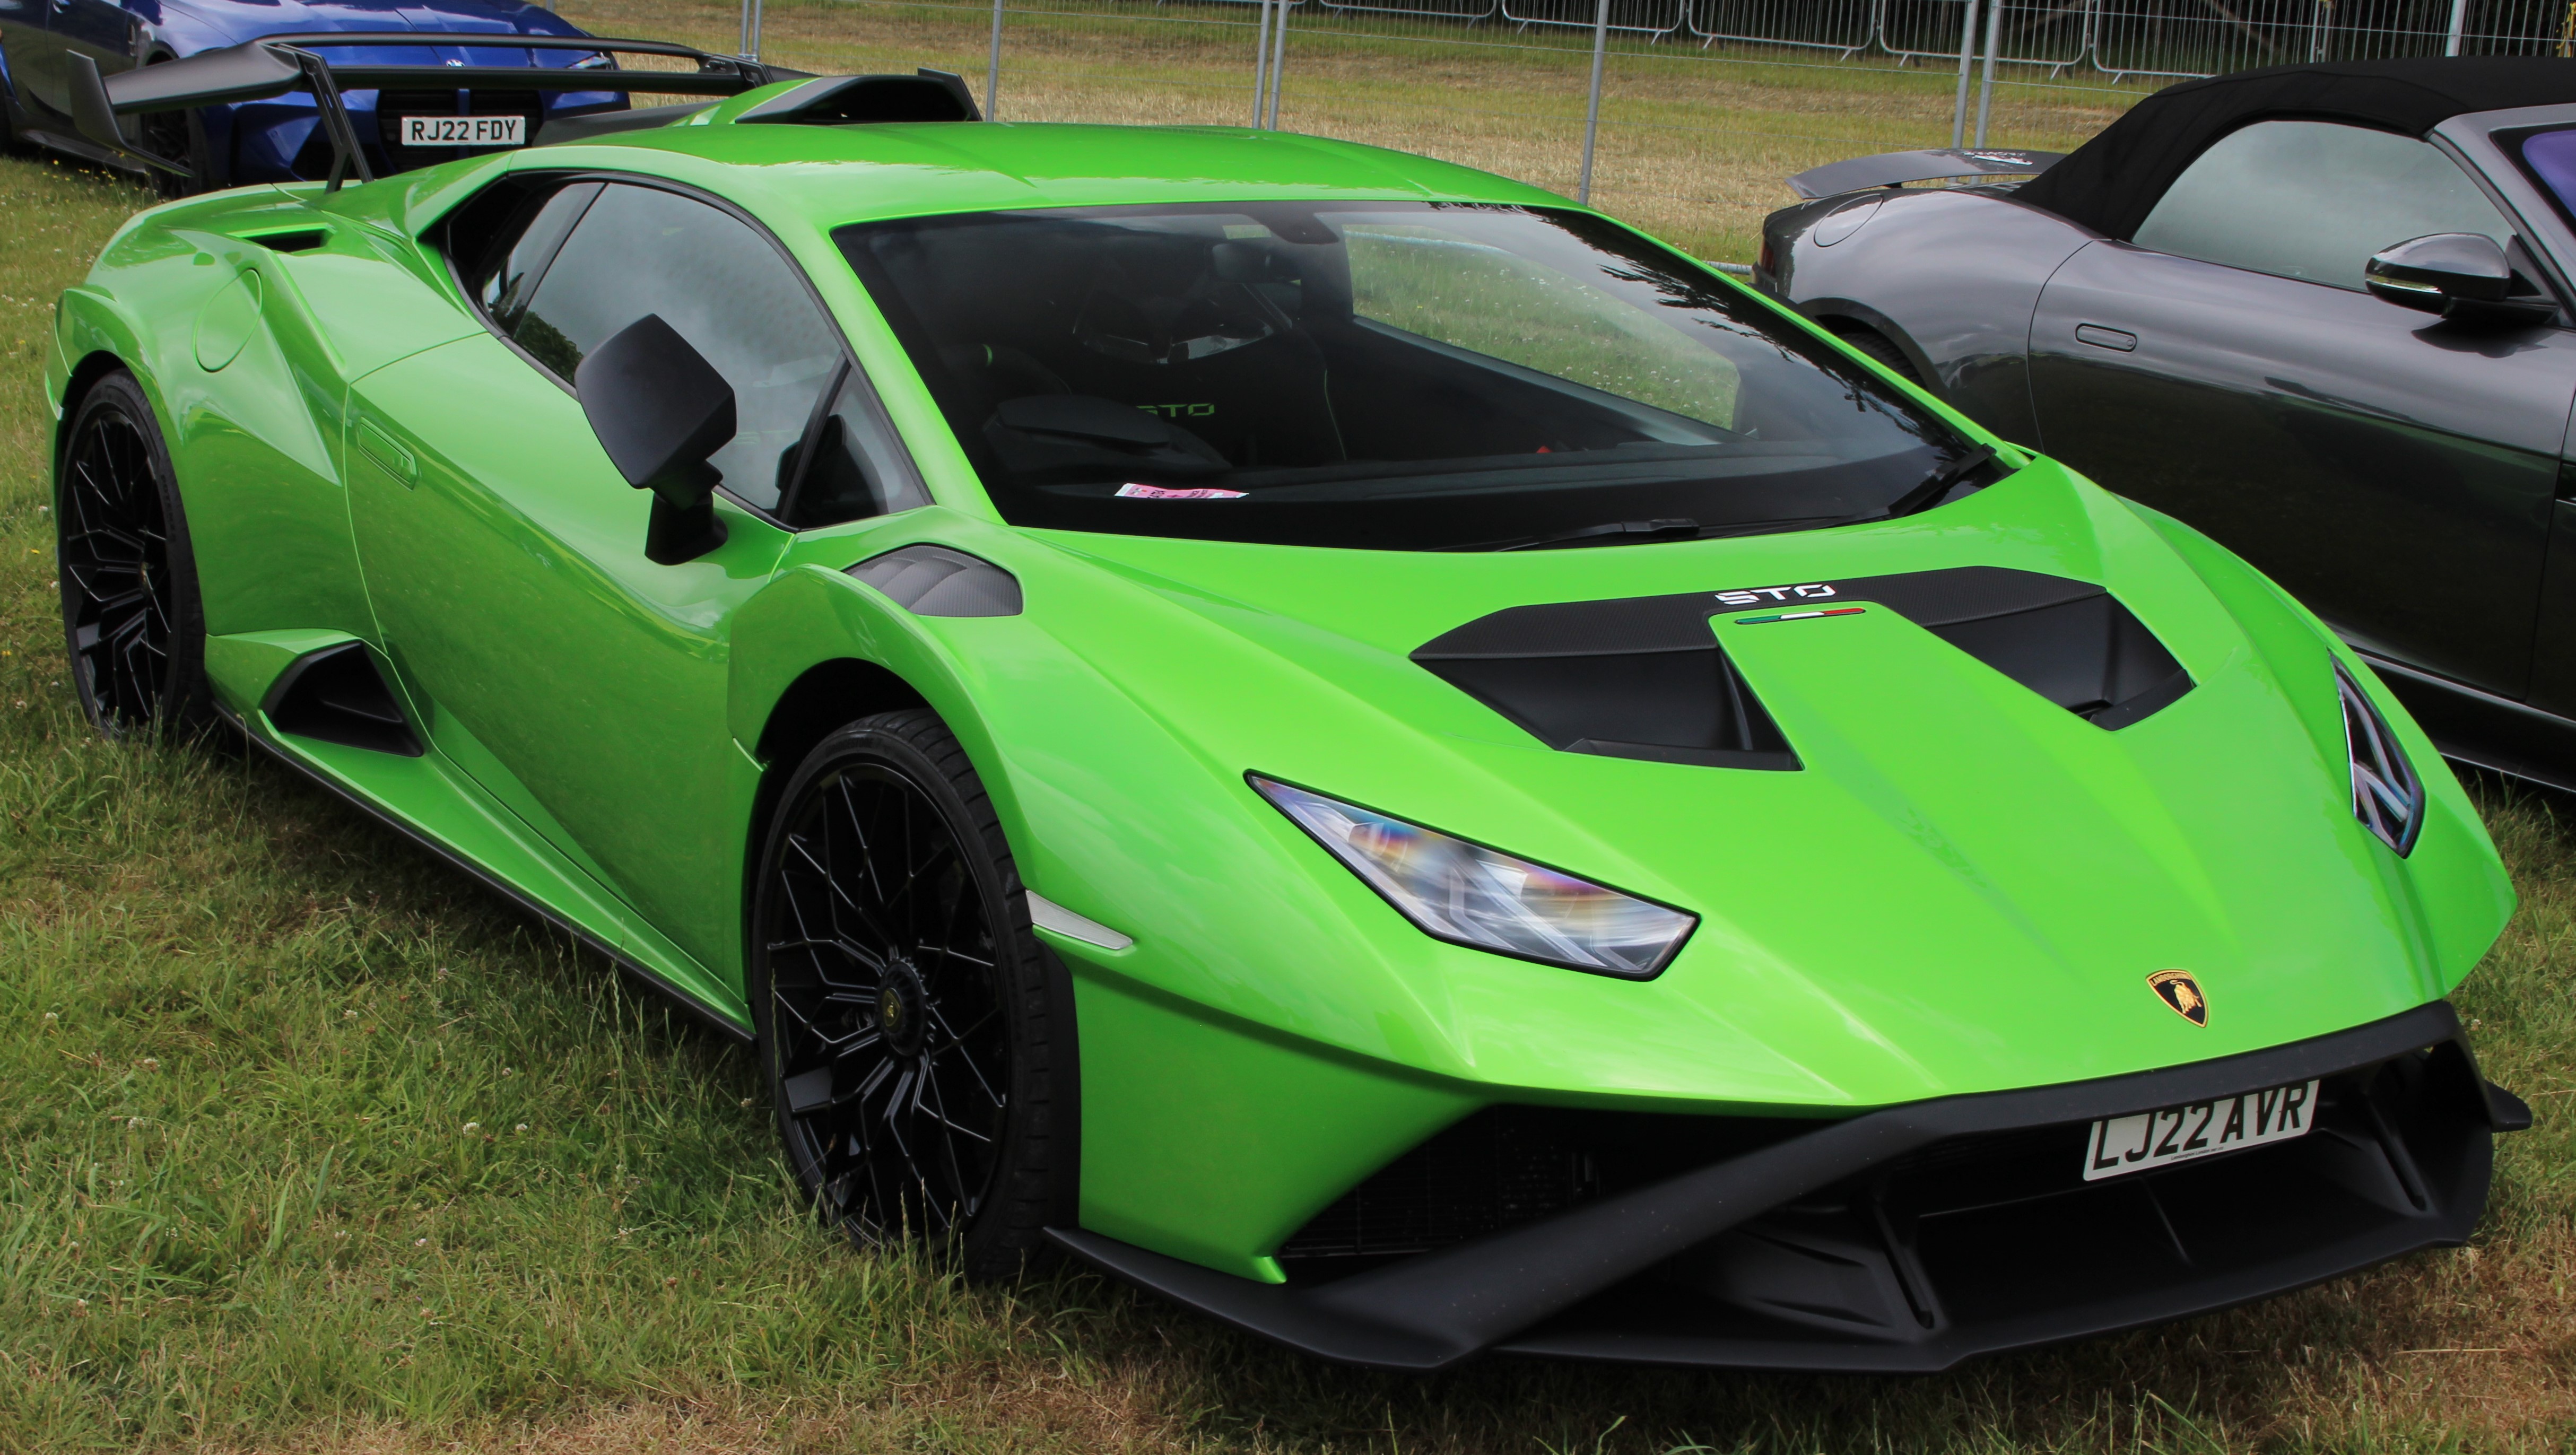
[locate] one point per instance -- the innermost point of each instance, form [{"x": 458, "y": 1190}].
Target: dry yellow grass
[{"x": 1693, "y": 144}]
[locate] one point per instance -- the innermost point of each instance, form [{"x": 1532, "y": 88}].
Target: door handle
[{"x": 2105, "y": 338}]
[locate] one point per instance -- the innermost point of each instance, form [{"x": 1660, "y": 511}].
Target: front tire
[
  {"x": 133, "y": 621},
  {"x": 907, "y": 1030}
]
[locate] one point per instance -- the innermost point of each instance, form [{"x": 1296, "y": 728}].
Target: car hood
[{"x": 1961, "y": 886}]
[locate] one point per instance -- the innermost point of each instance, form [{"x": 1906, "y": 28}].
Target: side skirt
[
  {"x": 723, "y": 1020},
  {"x": 2484, "y": 730}
]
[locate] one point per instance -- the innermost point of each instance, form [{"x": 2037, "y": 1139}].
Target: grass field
[{"x": 307, "y": 1144}]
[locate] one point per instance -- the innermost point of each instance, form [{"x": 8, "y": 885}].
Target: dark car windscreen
[
  {"x": 1389, "y": 375},
  {"x": 2550, "y": 156}
]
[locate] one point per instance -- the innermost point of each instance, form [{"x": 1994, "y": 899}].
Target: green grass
[{"x": 264, "y": 1183}]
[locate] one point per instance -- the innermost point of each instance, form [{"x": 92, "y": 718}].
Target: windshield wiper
[
  {"x": 1937, "y": 486},
  {"x": 1931, "y": 492},
  {"x": 1625, "y": 532},
  {"x": 1616, "y": 532}
]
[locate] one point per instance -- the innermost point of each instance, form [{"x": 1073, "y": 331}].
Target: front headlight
[
  {"x": 2386, "y": 795},
  {"x": 1468, "y": 894}
]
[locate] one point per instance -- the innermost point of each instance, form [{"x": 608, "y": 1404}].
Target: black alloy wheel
[
  {"x": 911, "y": 1033},
  {"x": 131, "y": 613},
  {"x": 179, "y": 136}
]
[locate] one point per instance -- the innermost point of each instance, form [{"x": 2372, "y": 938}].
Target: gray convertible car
[{"x": 2321, "y": 312}]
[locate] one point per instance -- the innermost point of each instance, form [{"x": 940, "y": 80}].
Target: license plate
[
  {"x": 2122, "y": 1145},
  {"x": 464, "y": 131}
]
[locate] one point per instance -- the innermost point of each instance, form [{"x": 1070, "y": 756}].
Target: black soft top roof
[{"x": 2112, "y": 182}]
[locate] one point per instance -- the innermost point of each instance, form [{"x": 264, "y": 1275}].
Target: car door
[
  {"x": 38, "y": 34},
  {"x": 22, "y": 25},
  {"x": 2394, "y": 471},
  {"x": 99, "y": 29},
  {"x": 504, "y": 555}
]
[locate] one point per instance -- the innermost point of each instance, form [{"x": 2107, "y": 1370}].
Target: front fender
[
  {"x": 2461, "y": 895},
  {"x": 1207, "y": 1135}
]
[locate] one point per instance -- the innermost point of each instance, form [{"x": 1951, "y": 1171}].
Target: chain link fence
[{"x": 1682, "y": 116}]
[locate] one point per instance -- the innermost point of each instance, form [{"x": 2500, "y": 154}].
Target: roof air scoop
[
  {"x": 925, "y": 95},
  {"x": 1633, "y": 678}
]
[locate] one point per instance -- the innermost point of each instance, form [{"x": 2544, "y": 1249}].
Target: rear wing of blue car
[{"x": 278, "y": 64}]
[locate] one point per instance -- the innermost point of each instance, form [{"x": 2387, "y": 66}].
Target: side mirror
[
  {"x": 2460, "y": 275},
  {"x": 660, "y": 410}
]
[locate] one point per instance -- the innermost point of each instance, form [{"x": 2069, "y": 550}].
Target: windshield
[{"x": 1400, "y": 376}]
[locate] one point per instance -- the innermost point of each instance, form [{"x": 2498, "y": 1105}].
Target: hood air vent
[
  {"x": 1636, "y": 678},
  {"x": 1644, "y": 677},
  {"x": 2069, "y": 641}
]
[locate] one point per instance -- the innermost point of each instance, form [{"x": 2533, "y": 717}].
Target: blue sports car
[{"x": 279, "y": 140}]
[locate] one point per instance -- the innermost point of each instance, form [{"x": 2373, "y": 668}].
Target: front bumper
[{"x": 1910, "y": 1238}]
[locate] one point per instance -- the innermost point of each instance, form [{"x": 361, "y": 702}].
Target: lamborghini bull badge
[{"x": 2181, "y": 992}]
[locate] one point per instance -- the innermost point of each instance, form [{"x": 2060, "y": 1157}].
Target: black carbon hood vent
[
  {"x": 1644, "y": 676},
  {"x": 2069, "y": 641},
  {"x": 1641, "y": 677}
]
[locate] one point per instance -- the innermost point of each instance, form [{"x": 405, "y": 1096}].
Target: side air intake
[
  {"x": 336, "y": 695},
  {"x": 1641, "y": 677}
]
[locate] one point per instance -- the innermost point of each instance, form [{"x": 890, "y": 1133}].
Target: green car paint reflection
[{"x": 1917, "y": 873}]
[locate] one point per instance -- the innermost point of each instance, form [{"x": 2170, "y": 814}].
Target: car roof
[
  {"x": 2112, "y": 182},
  {"x": 839, "y": 174}
]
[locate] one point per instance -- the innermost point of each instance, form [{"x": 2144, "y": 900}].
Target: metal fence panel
[
  {"x": 1629, "y": 17},
  {"x": 1846, "y": 27},
  {"x": 1701, "y": 107}
]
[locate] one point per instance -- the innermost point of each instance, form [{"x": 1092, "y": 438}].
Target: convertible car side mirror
[
  {"x": 2459, "y": 275},
  {"x": 661, "y": 410}
]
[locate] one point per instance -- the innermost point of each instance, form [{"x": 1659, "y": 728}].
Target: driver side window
[
  {"x": 813, "y": 445},
  {"x": 2313, "y": 200}
]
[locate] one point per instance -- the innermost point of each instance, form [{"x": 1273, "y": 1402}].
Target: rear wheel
[
  {"x": 907, "y": 1028},
  {"x": 181, "y": 137},
  {"x": 1879, "y": 347},
  {"x": 132, "y": 617}
]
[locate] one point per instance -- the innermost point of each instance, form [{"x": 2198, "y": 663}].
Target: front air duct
[{"x": 2386, "y": 795}]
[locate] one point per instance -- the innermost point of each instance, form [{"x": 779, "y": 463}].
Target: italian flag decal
[{"x": 1800, "y": 615}]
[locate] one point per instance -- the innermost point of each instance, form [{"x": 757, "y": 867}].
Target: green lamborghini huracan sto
[{"x": 1356, "y": 745}]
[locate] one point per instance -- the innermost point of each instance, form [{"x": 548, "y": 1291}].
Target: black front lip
[{"x": 1556, "y": 1286}]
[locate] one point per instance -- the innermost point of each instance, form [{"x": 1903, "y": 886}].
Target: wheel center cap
[{"x": 903, "y": 1009}]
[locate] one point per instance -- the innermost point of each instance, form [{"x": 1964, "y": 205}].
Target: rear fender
[
  {"x": 1953, "y": 276},
  {"x": 1838, "y": 314},
  {"x": 248, "y": 395}
]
